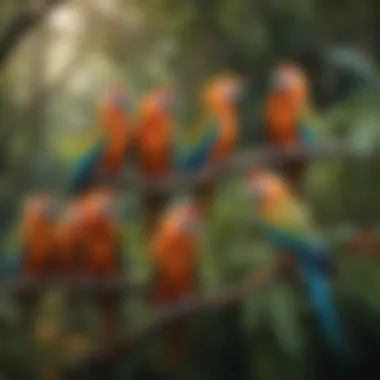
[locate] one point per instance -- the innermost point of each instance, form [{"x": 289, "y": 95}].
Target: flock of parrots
[{"x": 85, "y": 239}]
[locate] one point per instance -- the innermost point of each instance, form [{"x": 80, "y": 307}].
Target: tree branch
[
  {"x": 230, "y": 295},
  {"x": 20, "y": 26}
]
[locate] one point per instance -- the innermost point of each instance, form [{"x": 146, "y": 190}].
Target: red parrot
[
  {"x": 219, "y": 132},
  {"x": 38, "y": 250},
  {"x": 286, "y": 116},
  {"x": 102, "y": 257},
  {"x": 174, "y": 248},
  {"x": 107, "y": 157},
  {"x": 90, "y": 243},
  {"x": 37, "y": 236},
  {"x": 154, "y": 145},
  {"x": 70, "y": 238}
]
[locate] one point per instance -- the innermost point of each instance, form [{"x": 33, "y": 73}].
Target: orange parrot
[
  {"x": 154, "y": 145},
  {"x": 90, "y": 244},
  {"x": 219, "y": 133},
  {"x": 37, "y": 236},
  {"x": 174, "y": 248},
  {"x": 286, "y": 113},
  {"x": 37, "y": 257},
  {"x": 70, "y": 237},
  {"x": 107, "y": 157},
  {"x": 102, "y": 257}
]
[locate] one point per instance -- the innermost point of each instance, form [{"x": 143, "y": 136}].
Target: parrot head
[
  {"x": 155, "y": 118},
  {"x": 223, "y": 91},
  {"x": 265, "y": 187},
  {"x": 100, "y": 207},
  {"x": 290, "y": 81},
  {"x": 117, "y": 98},
  {"x": 114, "y": 108},
  {"x": 39, "y": 207},
  {"x": 161, "y": 100}
]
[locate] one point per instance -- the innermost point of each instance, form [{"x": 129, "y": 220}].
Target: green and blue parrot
[
  {"x": 288, "y": 226},
  {"x": 106, "y": 156},
  {"x": 217, "y": 132}
]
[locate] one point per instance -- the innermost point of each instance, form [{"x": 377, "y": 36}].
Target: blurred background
[{"x": 50, "y": 85}]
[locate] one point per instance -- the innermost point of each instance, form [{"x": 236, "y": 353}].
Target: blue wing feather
[
  {"x": 86, "y": 166},
  {"x": 312, "y": 256},
  {"x": 307, "y": 135},
  {"x": 195, "y": 157}
]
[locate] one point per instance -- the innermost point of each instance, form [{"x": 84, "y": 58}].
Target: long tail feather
[
  {"x": 195, "y": 157},
  {"x": 84, "y": 170},
  {"x": 320, "y": 296}
]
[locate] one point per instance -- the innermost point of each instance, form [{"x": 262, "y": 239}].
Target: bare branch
[
  {"x": 84, "y": 285},
  {"x": 239, "y": 163},
  {"x": 20, "y": 26},
  {"x": 224, "y": 297}
]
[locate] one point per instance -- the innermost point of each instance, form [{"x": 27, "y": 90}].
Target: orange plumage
[
  {"x": 174, "y": 252},
  {"x": 220, "y": 96},
  {"x": 101, "y": 238},
  {"x": 38, "y": 235},
  {"x": 285, "y": 103},
  {"x": 113, "y": 114},
  {"x": 154, "y": 132},
  {"x": 154, "y": 139}
]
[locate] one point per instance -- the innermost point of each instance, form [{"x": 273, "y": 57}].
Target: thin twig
[{"x": 164, "y": 317}]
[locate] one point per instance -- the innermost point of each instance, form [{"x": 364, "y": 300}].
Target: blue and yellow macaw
[
  {"x": 288, "y": 116},
  {"x": 217, "y": 130},
  {"x": 289, "y": 228},
  {"x": 107, "y": 156}
]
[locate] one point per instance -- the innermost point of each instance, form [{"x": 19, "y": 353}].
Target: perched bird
[
  {"x": 37, "y": 256},
  {"x": 289, "y": 227},
  {"x": 37, "y": 236},
  {"x": 217, "y": 131},
  {"x": 102, "y": 257},
  {"x": 174, "y": 248},
  {"x": 107, "y": 156},
  {"x": 153, "y": 135},
  {"x": 89, "y": 242},
  {"x": 70, "y": 238},
  {"x": 288, "y": 117}
]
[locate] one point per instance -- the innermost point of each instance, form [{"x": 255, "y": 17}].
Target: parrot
[
  {"x": 219, "y": 130},
  {"x": 289, "y": 119},
  {"x": 173, "y": 250},
  {"x": 102, "y": 256},
  {"x": 153, "y": 135},
  {"x": 107, "y": 156},
  {"x": 89, "y": 244},
  {"x": 37, "y": 255},
  {"x": 289, "y": 227}
]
